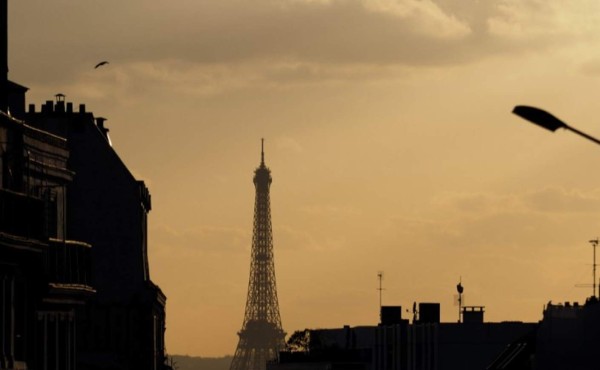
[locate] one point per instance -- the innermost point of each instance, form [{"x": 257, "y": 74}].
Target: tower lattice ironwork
[{"x": 261, "y": 336}]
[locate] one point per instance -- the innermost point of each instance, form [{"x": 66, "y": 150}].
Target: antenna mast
[
  {"x": 460, "y": 290},
  {"x": 262, "y": 152},
  {"x": 594, "y": 243},
  {"x": 380, "y": 277}
]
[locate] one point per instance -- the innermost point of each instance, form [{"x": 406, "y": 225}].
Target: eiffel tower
[{"x": 262, "y": 336}]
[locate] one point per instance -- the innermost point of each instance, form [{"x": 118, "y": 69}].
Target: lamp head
[{"x": 539, "y": 117}]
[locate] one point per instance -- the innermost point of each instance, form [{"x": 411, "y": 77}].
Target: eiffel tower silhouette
[{"x": 261, "y": 337}]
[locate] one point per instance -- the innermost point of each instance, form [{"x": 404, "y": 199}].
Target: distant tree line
[{"x": 179, "y": 362}]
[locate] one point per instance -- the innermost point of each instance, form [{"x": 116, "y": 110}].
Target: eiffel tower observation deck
[{"x": 262, "y": 336}]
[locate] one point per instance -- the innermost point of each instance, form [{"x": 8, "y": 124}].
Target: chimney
[
  {"x": 100, "y": 124},
  {"x": 60, "y": 102}
]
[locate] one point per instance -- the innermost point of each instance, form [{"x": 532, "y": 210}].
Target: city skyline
[{"x": 388, "y": 124}]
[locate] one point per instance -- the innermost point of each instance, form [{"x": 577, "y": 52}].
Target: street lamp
[{"x": 546, "y": 120}]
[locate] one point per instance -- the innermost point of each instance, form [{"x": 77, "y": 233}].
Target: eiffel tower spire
[{"x": 262, "y": 336}]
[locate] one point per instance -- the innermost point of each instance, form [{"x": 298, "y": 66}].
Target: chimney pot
[
  {"x": 104, "y": 130},
  {"x": 100, "y": 122}
]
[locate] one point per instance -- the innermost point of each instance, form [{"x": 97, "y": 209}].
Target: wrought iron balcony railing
[{"x": 69, "y": 262}]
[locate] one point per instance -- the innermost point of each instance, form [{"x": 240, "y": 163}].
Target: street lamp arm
[{"x": 591, "y": 138}]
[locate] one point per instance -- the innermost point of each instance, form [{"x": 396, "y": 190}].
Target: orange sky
[{"x": 388, "y": 132}]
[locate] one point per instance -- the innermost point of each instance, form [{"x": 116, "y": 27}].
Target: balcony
[{"x": 68, "y": 265}]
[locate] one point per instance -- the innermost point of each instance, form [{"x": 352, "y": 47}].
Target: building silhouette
[
  {"x": 44, "y": 275},
  {"x": 423, "y": 344},
  {"x": 75, "y": 287},
  {"x": 568, "y": 336},
  {"x": 123, "y": 325},
  {"x": 262, "y": 336}
]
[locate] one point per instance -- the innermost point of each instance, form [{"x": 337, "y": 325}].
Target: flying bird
[{"x": 101, "y": 64}]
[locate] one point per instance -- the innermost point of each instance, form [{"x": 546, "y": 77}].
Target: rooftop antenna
[
  {"x": 380, "y": 277},
  {"x": 460, "y": 290},
  {"x": 414, "y": 312},
  {"x": 594, "y": 243}
]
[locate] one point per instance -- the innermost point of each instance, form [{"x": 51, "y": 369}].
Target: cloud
[
  {"x": 207, "y": 46},
  {"x": 216, "y": 240},
  {"x": 426, "y": 17},
  {"x": 200, "y": 240},
  {"x": 558, "y": 200},
  {"x": 479, "y": 203},
  {"x": 230, "y": 31},
  {"x": 287, "y": 238},
  {"x": 330, "y": 210},
  {"x": 132, "y": 82},
  {"x": 544, "y": 19},
  {"x": 546, "y": 200},
  {"x": 591, "y": 67},
  {"x": 286, "y": 143},
  {"x": 529, "y": 221}
]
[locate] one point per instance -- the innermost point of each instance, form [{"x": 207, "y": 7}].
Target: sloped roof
[{"x": 13, "y": 86}]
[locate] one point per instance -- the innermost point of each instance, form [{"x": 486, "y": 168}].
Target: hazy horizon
[{"x": 388, "y": 131}]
